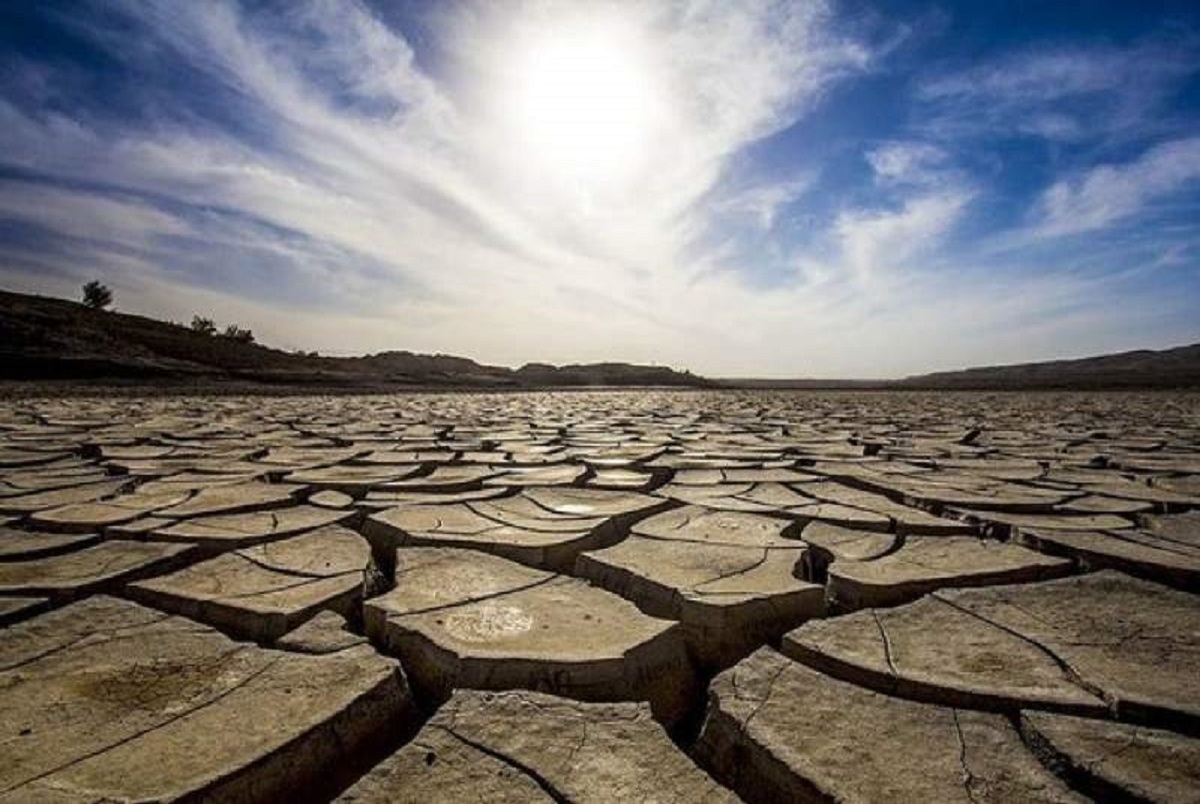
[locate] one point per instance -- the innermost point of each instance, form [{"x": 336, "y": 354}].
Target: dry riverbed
[{"x": 601, "y": 596}]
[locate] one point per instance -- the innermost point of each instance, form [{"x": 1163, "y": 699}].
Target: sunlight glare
[{"x": 580, "y": 102}]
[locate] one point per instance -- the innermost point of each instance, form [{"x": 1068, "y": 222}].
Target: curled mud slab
[
  {"x": 262, "y": 592},
  {"x": 922, "y": 564},
  {"x": 779, "y": 731},
  {"x": 15, "y": 609},
  {"x": 230, "y": 499},
  {"x": 546, "y": 528},
  {"x": 232, "y": 531},
  {"x": 1088, "y": 644},
  {"x": 107, "y": 700},
  {"x": 326, "y": 632},
  {"x": 463, "y": 619},
  {"x": 1116, "y": 761},
  {"x": 75, "y": 494},
  {"x": 1147, "y": 554},
  {"x": 732, "y": 579},
  {"x": 527, "y": 746},
  {"x": 95, "y": 516},
  {"x": 103, "y": 567},
  {"x": 22, "y": 545}
]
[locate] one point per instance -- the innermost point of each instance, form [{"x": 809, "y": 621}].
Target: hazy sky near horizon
[{"x": 854, "y": 189}]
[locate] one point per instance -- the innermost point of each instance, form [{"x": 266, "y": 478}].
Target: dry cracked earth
[{"x": 595, "y": 597}]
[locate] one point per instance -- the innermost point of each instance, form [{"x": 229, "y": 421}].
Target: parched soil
[{"x": 671, "y": 596}]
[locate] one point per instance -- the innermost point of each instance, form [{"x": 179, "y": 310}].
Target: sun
[{"x": 580, "y": 101}]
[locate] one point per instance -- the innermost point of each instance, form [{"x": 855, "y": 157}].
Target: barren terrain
[{"x": 601, "y": 596}]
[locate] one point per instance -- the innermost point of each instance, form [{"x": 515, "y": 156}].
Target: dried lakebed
[{"x": 601, "y": 596}]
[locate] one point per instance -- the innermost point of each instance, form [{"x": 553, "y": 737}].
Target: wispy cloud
[
  {"x": 301, "y": 170},
  {"x": 909, "y": 163},
  {"x": 871, "y": 240},
  {"x": 1110, "y": 193},
  {"x": 1063, "y": 93},
  {"x": 762, "y": 203}
]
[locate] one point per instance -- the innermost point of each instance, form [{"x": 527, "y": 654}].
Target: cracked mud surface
[{"x": 605, "y": 596}]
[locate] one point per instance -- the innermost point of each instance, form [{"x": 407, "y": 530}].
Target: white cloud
[
  {"x": 917, "y": 163},
  {"x": 1107, "y": 194},
  {"x": 1035, "y": 76},
  {"x": 761, "y": 203},
  {"x": 871, "y": 241},
  {"x": 1065, "y": 93},
  {"x": 76, "y": 214}
]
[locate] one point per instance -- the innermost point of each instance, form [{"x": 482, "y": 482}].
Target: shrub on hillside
[
  {"x": 234, "y": 332},
  {"x": 96, "y": 295},
  {"x": 204, "y": 326}
]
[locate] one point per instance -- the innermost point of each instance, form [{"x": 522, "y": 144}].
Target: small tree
[
  {"x": 96, "y": 295},
  {"x": 204, "y": 326},
  {"x": 238, "y": 334}
]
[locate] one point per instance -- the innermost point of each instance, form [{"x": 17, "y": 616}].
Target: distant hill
[
  {"x": 604, "y": 374},
  {"x": 1178, "y": 367},
  {"x": 802, "y": 384},
  {"x": 54, "y": 339},
  {"x": 1168, "y": 368}
]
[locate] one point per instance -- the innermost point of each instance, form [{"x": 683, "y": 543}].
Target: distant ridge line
[
  {"x": 59, "y": 340},
  {"x": 1177, "y": 367},
  {"x": 55, "y": 339}
]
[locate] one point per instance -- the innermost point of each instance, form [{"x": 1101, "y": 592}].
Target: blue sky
[{"x": 866, "y": 189}]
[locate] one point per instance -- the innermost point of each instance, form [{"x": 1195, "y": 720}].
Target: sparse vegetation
[
  {"x": 204, "y": 326},
  {"x": 234, "y": 332},
  {"x": 96, "y": 295}
]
